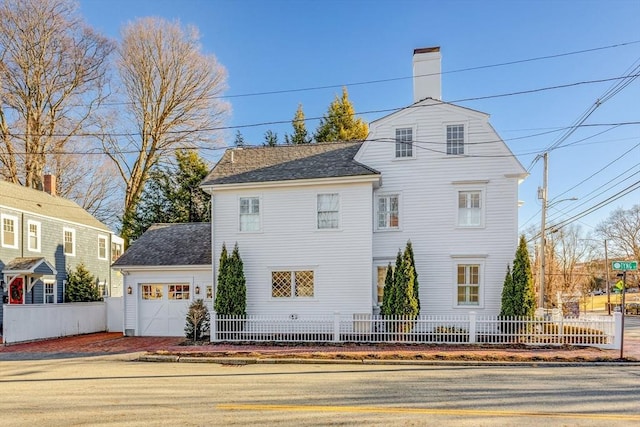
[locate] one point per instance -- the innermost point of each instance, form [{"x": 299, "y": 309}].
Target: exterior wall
[
  {"x": 428, "y": 185},
  {"x": 27, "y": 322},
  {"x": 51, "y": 248},
  {"x": 162, "y": 275},
  {"x": 289, "y": 240}
]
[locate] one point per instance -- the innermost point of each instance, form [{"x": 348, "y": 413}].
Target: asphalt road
[{"x": 109, "y": 390}]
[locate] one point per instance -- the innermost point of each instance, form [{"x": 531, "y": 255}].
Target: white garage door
[{"x": 163, "y": 308}]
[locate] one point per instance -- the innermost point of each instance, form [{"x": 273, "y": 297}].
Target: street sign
[{"x": 625, "y": 265}]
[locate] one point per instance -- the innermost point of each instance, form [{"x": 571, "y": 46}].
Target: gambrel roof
[
  {"x": 25, "y": 199},
  {"x": 170, "y": 245},
  {"x": 288, "y": 162}
]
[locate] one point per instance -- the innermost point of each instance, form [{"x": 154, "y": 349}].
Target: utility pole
[
  {"x": 542, "y": 194},
  {"x": 606, "y": 263}
]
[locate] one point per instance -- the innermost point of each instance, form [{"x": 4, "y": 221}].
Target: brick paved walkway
[{"x": 115, "y": 343}]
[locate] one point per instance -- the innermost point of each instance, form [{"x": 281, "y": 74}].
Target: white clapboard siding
[
  {"x": 289, "y": 240},
  {"x": 428, "y": 186}
]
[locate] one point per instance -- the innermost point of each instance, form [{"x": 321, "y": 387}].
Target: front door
[{"x": 16, "y": 291}]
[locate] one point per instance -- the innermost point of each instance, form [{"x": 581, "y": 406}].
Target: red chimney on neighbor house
[{"x": 50, "y": 184}]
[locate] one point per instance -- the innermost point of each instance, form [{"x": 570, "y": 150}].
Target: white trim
[
  {"x": 46, "y": 282},
  {"x": 376, "y": 227},
  {"x": 465, "y": 142},
  {"x": 294, "y": 183},
  {"x": 16, "y": 233},
  {"x": 468, "y": 260},
  {"x": 414, "y": 148},
  {"x": 106, "y": 246},
  {"x": 38, "y": 225},
  {"x": 339, "y": 227},
  {"x": 481, "y": 189},
  {"x": 260, "y": 207},
  {"x": 73, "y": 241},
  {"x": 153, "y": 268},
  {"x": 293, "y": 270}
]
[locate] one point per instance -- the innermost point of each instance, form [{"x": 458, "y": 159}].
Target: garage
[
  {"x": 164, "y": 271},
  {"x": 163, "y": 308}
]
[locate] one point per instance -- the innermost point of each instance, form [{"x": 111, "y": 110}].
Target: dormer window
[{"x": 404, "y": 142}]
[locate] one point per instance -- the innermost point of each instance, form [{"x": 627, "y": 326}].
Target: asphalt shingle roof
[
  {"x": 170, "y": 244},
  {"x": 22, "y": 264},
  {"x": 27, "y": 199},
  {"x": 287, "y": 162}
]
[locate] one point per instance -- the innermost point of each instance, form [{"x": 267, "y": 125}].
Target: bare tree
[
  {"x": 172, "y": 90},
  {"x": 622, "y": 231},
  {"x": 53, "y": 75}
]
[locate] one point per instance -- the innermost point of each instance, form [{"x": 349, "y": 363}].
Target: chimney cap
[{"x": 426, "y": 50}]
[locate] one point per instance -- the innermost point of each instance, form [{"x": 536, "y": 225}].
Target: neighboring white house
[{"x": 317, "y": 224}]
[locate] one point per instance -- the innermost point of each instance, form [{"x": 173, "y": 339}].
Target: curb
[{"x": 298, "y": 361}]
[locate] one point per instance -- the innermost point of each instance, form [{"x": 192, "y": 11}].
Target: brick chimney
[
  {"x": 426, "y": 73},
  {"x": 50, "y": 184}
]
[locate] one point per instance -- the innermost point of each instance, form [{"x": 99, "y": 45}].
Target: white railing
[{"x": 595, "y": 331}]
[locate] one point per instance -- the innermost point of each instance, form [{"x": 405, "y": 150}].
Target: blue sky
[{"x": 296, "y": 44}]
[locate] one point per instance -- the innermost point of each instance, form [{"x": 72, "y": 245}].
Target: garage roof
[{"x": 170, "y": 245}]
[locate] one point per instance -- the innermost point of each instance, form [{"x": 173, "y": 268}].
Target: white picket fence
[{"x": 592, "y": 331}]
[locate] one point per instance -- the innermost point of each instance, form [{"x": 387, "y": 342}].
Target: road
[{"x": 110, "y": 390}]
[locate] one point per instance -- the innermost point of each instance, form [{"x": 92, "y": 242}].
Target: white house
[{"x": 317, "y": 224}]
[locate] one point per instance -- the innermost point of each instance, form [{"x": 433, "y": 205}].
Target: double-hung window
[
  {"x": 249, "y": 214},
  {"x": 468, "y": 284},
  {"x": 292, "y": 284},
  {"x": 388, "y": 212},
  {"x": 455, "y": 139},
  {"x": 34, "y": 236},
  {"x": 69, "y": 239},
  {"x": 470, "y": 208},
  {"x": 9, "y": 231},
  {"x": 328, "y": 211},
  {"x": 102, "y": 247},
  {"x": 404, "y": 142}
]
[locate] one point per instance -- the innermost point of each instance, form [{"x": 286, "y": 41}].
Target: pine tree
[
  {"x": 300, "y": 134},
  {"x": 340, "y": 124},
  {"x": 239, "y": 141},
  {"x": 518, "y": 293},
  {"x": 411, "y": 260},
  {"x": 231, "y": 294},
  {"x": 388, "y": 292},
  {"x": 221, "y": 304},
  {"x": 270, "y": 138},
  {"x": 508, "y": 306},
  {"x": 81, "y": 286},
  {"x": 197, "y": 321}
]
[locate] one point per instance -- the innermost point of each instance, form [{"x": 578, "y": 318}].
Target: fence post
[
  {"x": 213, "y": 326},
  {"x": 472, "y": 327},
  {"x": 617, "y": 334},
  {"x": 336, "y": 326}
]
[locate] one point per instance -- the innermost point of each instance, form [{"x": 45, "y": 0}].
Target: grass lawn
[{"x": 598, "y": 302}]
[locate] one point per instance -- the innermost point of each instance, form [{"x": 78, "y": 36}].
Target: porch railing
[{"x": 594, "y": 331}]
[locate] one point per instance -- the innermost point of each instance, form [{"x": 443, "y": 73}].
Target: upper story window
[
  {"x": 468, "y": 284},
  {"x": 470, "y": 208},
  {"x": 455, "y": 139},
  {"x": 102, "y": 247},
  {"x": 404, "y": 142},
  {"x": 328, "y": 211},
  {"x": 34, "y": 236},
  {"x": 69, "y": 238},
  {"x": 249, "y": 213},
  {"x": 9, "y": 231},
  {"x": 292, "y": 284},
  {"x": 388, "y": 212}
]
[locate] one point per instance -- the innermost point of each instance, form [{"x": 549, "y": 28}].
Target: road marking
[{"x": 460, "y": 412}]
